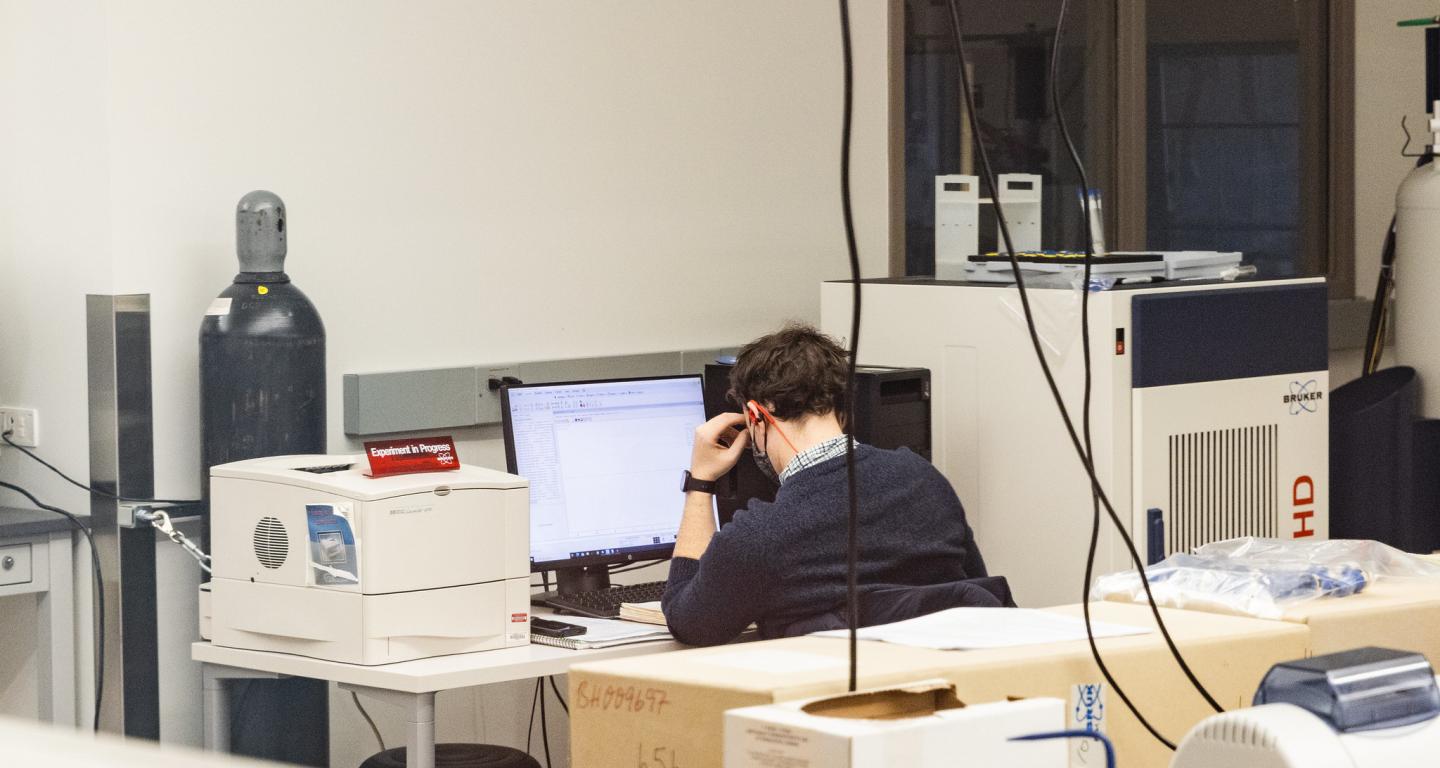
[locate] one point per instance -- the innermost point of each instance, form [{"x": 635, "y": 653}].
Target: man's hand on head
[{"x": 719, "y": 443}]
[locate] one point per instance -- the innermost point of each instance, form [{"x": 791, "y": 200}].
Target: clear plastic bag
[{"x": 1264, "y": 577}]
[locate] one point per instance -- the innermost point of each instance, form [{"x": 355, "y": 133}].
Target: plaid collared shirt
[{"x": 813, "y": 455}]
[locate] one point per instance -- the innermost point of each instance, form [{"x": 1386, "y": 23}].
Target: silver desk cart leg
[
  {"x": 217, "y": 701},
  {"x": 56, "y": 647},
  {"x": 420, "y": 721}
]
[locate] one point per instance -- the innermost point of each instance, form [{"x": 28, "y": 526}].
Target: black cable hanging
[
  {"x": 1075, "y": 160},
  {"x": 83, "y": 486},
  {"x": 852, "y": 554},
  {"x": 1075, "y": 439}
]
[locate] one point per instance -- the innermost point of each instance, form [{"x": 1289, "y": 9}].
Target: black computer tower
[
  {"x": 892, "y": 407},
  {"x": 892, "y": 410}
]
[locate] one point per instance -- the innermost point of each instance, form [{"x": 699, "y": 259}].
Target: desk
[
  {"x": 35, "y": 558},
  {"x": 411, "y": 685}
]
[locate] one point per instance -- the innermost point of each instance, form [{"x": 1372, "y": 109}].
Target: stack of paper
[
  {"x": 645, "y": 613},
  {"x": 972, "y": 628}
]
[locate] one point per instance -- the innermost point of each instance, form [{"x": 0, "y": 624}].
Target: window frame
[{"x": 1118, "y": 45}]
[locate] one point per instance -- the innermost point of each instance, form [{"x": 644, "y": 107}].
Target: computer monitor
[{"x": 604, "y": 460}]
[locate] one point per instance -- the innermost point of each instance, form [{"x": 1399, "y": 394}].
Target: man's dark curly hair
[{"x": 794, "y": 371}]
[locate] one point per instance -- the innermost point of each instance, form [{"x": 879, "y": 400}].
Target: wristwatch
[{"x": 693, "y": 483}]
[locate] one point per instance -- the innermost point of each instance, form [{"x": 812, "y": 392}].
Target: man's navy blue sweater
[{"x": 777, "y": 564}]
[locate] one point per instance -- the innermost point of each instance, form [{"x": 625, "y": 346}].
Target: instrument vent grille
[{"x": 1222, "y": 485}]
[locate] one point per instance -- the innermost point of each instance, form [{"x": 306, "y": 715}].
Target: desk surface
[
  {"x": 20, "y": 523},
  {"x": 426, "y": 675}
]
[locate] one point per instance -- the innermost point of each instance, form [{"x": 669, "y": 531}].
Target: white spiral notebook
[{"x": 603, "y": 633}]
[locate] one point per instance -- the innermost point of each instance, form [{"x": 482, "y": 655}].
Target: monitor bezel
[{"x": 656, "y": 552}]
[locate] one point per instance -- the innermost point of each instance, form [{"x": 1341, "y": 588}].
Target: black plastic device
[{"x": 549, "y": 628}]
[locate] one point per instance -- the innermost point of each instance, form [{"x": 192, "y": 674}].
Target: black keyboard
[{"x": 605, "y": 603}]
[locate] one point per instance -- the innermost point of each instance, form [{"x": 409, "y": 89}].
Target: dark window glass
[
  {"x": 1008, "y": 45},
  {"x": 1231, "y": 102},
  {"x": 1223, "y": 132}
]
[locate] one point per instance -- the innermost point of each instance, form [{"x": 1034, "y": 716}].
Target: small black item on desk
[{"x": 549, "y": 628}]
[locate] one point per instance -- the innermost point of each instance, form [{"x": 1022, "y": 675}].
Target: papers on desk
[
  {"x": 603, "y": 633},
  {"x": 645, "y": 613},
  {"x": 974, "y": 628}
]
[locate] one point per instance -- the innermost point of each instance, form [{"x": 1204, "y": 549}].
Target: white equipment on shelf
[
  {"x": 957, "y": 217},
  {"x": 315, "y": 558}
]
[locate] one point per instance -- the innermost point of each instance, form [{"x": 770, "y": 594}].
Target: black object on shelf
[{"x": 1383, "y": 484}]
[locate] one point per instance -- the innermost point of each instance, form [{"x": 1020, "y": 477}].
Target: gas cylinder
[
  {"x": 262, "y": 352},
  {"x": 1417, "y": 280},
  {"x": 262, "y": 393}
]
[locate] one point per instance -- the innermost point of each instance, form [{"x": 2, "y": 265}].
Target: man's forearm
[{"x": 697, "y": 525}]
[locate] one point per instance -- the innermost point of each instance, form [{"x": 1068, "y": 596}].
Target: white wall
[
  {"x": 54, "y": 225},
  {"x": 54, "y": 247},
  {"x": 473, "y": 182},
  {"x": 466, "y": 181},
  {"x": 1389, "y": 83}
]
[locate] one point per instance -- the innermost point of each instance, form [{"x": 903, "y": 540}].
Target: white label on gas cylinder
[
  {"x": 1086, "y": 713},
  {"x": 220, "y": 306}
]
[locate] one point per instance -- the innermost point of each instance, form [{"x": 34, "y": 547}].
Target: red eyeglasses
[{"x": 755, "y": 411}]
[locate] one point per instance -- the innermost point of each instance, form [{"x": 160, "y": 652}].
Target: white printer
[{"x": 313, "y": 557}]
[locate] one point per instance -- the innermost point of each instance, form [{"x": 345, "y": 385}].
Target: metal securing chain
[{"x": 160, "y": 521}]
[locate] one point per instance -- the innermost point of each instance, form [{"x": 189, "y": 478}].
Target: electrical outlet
[{"x": 23, "y": 424}]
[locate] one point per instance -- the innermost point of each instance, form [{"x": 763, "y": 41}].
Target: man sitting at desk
[{"x": 781, "y": 565}]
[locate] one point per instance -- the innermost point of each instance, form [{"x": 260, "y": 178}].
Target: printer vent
[
  {"x": 1237, "y": 729},
  {"x": 1222, "y": 485},
  {"x": 272, "y": 543}
]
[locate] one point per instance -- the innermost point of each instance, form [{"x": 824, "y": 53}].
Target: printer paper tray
[{"x": 370, "y": 629}]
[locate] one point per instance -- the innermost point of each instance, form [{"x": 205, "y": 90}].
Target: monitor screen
[{"x": 604, "y": 460}]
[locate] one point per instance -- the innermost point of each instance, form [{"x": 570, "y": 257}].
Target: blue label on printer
[{"x": 333, "y": 559}]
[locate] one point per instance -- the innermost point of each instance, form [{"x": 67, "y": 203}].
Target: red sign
[{"x": 415, "y": 454}]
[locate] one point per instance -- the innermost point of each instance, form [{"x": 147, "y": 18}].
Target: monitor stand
[{"x": 569, "y": 581}]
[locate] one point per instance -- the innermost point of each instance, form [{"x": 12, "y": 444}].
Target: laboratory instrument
[{"x": 1209, "y": 418}]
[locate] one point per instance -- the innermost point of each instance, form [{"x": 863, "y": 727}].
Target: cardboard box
[
  {"x": 674, "y": 702},
  {"x": 1391, "y": 613},
  {"x": 666, "y": 710},
  {"x": 1229, "y": 655},
  {"x": 919, "y": 725}
]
